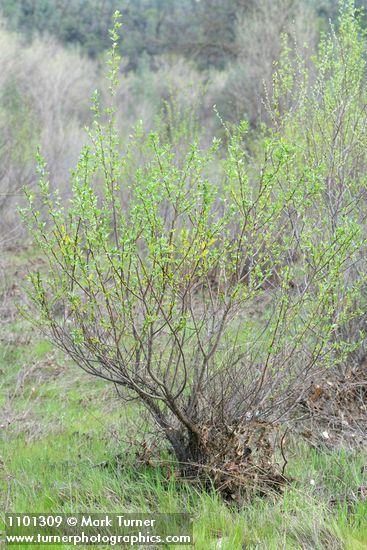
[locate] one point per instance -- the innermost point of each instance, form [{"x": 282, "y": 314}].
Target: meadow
[{"x": 68, "y": 445}]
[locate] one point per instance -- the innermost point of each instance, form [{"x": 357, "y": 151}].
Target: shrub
[
  {"x": 42, "y": 100},
  {"x": 322, "y": 109},
  {"x": 212, "y": 303}
]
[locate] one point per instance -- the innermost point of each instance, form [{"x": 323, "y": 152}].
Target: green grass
[{"x": 62, "y": 431}]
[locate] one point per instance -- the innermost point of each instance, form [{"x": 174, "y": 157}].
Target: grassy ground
[{"x": 61, "y": 432}]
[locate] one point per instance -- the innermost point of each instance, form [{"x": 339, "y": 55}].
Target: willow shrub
[
  {"x": 322, "y": 108},
  {"x": 212, "y": 302}
]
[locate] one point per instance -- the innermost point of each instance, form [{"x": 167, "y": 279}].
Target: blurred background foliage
[
  {"x": 210, "y": 57},
  {"x": 205, "y": 31}
]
